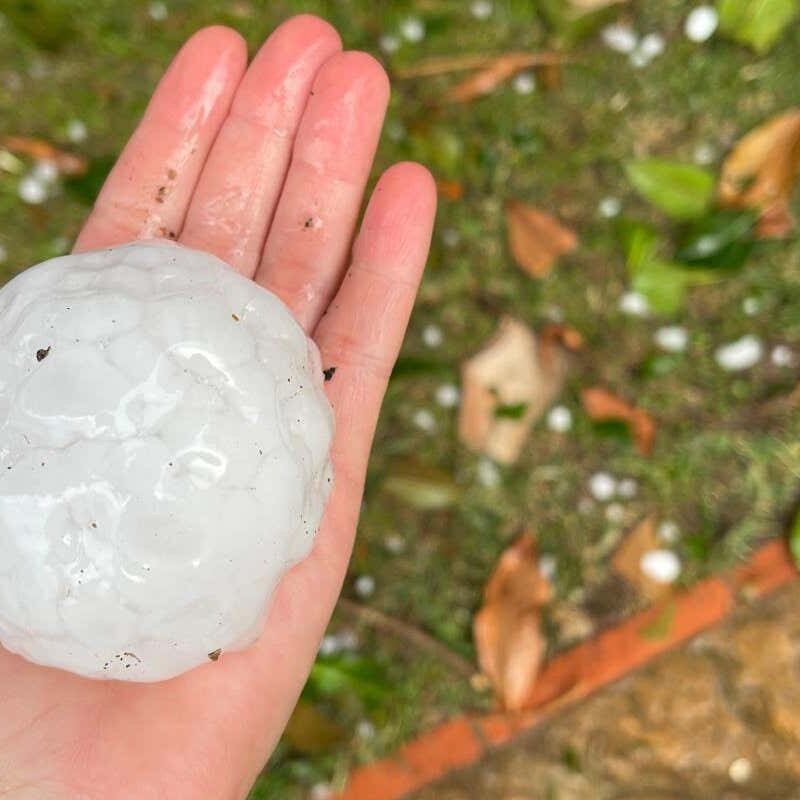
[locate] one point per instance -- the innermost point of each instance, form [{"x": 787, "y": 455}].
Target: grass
[{"x": 726, "y": 463}]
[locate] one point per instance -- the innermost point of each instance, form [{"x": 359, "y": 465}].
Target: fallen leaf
[
  {"x": 509, "y": 372},
  {"x": 423, "y": 489},
  {"x": 756, "y": 23},
  {"x": 681, "y": 190},
  {"x": 496, "y": 72},
  {"x": 589, "y": 6},
  {"x": 602, "y": 405},
  {"x": 451, "y": 190},
  {"x": 536, "y": 238},
  {"x": 761, "y": 170},
  {"x": 507, "y": 628},
  {"x": 641, "y": 539},
  {"x": 68, "y": 164},
  {"x": 309, "y": 731}
]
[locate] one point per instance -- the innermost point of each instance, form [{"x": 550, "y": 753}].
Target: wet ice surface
[{"x": 164, "y": 444}]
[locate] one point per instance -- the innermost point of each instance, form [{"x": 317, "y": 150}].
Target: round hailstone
[
  {"x": 559, "y": 419},
  {"x": 389, "y": 43},
  {"x": 652, "y": 46},
  {"x": 672, "y": 338},
  {"x": 32, "y": 190},
  {"x": 447, "y": 395},
  {"x": 781, "y": 355},
  {"x": 634, "y": 304},
  {"x": 751, "y": 306},
  {"x": 701, "y": 23},
  {"x": 481, "y": 9},
  {"x": 412, "y": 29},
  {"x": 432, "y": 335},
  {"x": 627, "y": 488},
  {"x": 77, "y": 131},
  {"x": 662, "y": 566},
  {"x": 164, "y": 441},
  {"x": 620, "y": 38},
  {"x": 741, "y": 354},
  {"x": 365, "y": 585},
  {"x": 424, "y": 420},
  {"x": 609, "y": 207},
  {"x": 525, "y": 83},
  {"x": 602, "y": 486}
]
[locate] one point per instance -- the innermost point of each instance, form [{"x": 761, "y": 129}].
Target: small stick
[
  {"x": 411, "y": 634},
  {"x": 442, "y": 65}
]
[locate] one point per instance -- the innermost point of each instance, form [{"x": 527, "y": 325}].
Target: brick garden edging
[{"x": 572, "y": 675}]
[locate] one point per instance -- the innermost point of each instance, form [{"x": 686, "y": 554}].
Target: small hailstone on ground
[
  {"x": 751, "y": 306},
  {"x": 481, "y": 9},
  {"x": 451, "y": 237},
  {"x": 425, "y": 420},
  {"x": 77, "y": 131},
  {"x": 701, "y": 23},
  {"x": 45, "y": 171},
  {"x": 740, "y": 770},
  {"x": 652, "y": 45},
  {"x": 395, "y": 130},
  {"x": 620, "y": 38},
  {"x": 554, "y": 313},
  {"x": 394, "y": 543},
  {"x": 389, "y": 43},
  {"x": 559, "y": 419},
  {"x": 329, "y": 646},
  {"x": 638, "y": 59},
  {"x": 672, "y": 338},
  {"x": 627, "y": 488},
  {"x": 634, "y": 304},
  {"x": 619, "y": 102},
  {"x": 615, "y": 513},
  {"x": 447, "y": 395},
  {"x": 488, "y": 473},
  {"x": 158, "y": 11},
  {"x": 662, "y": 566},
  {"x": 432, "y": 335},
  {"x": 602, "y": 486},
  {"x": 524, "y": 83},
  {"x": 364, "y": 585},
  {"x": 668, "y": 531},
  {"x": 32, "y": 190},
  {"x": 321, "y": 791},
  {"x": 781, "y": 355},
  {"x": 741, "y": 354},
  {"x": 548, "y": 566},
  {"x": 609, "y": 207},
  {"x": 704, "y": 154},
  {"x": 412, "y": 29},
  {"x": 348, "y": 639},
  {"x": 365, "y": 729}
]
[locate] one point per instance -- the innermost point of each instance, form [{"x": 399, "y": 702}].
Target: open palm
[{"x": 265, "y": 167}]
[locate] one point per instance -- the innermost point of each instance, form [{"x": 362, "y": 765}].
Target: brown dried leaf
[
  {"x": 496, "y": 72},
  {"x": 450, "y": 190},
  {"x": 536, "y": 238},
  {"x": 66, "y": 163},
  {"x": 641, "y": 539},
  {"x": 507, "y": 628},
  {"x": 309, "y": 731},
  {"x": 761, "y": 170},
  {"x": 600, "y": 404},
  {"x": 510, "y": 372}
]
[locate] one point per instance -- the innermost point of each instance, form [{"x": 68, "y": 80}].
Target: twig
[
  {"x": 411, "y": 634},
  {"x": 442, "y": 65}
]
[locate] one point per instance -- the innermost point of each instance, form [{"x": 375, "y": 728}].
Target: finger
[
  {"x": 241, "y": 181},
  {"x": 148, "y": 190},
  {"x": 308, "y": 242},
  {"x": 362, "y": 330}
]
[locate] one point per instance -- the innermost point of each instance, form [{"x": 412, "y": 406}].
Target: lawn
[{"x": 724, "y": 470}]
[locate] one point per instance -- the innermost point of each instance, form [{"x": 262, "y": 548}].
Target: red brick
[
  {"x": 769, "y": 568},
  {"x": 381, "y": 780},
  {"x": 448, "y": 746}
]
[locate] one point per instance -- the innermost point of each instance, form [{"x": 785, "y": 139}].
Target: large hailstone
[{"x": 164, "y": 444}]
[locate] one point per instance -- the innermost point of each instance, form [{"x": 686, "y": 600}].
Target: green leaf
[
  {"x": 721, "y": 240},
  {"x": 794, "y": 539},
  {"x": 511, "y": 411},
  {"x": 663, "y": 284},
  {"x": 640, "y": 242},
  {"x": 426, "y": 492},
  {"x": 681, "y": 190},
  {"x": 756, "y": 23},
  {"x": 411, "y": 366},
  {"x": 347, "y": 673}
]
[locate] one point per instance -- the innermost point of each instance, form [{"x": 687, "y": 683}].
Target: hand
[{"x": 264, "y": 167}]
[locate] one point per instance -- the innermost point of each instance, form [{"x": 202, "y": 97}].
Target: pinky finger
[{"x": 363, "y": 329}]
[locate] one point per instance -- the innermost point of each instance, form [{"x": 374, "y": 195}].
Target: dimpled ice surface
[{"x": 164, "y": 444}]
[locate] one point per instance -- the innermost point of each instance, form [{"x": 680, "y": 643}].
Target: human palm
[{"x": 265, "y": 167}]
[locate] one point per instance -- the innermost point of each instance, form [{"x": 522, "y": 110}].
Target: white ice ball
[{"x": 164, "y": 442}]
